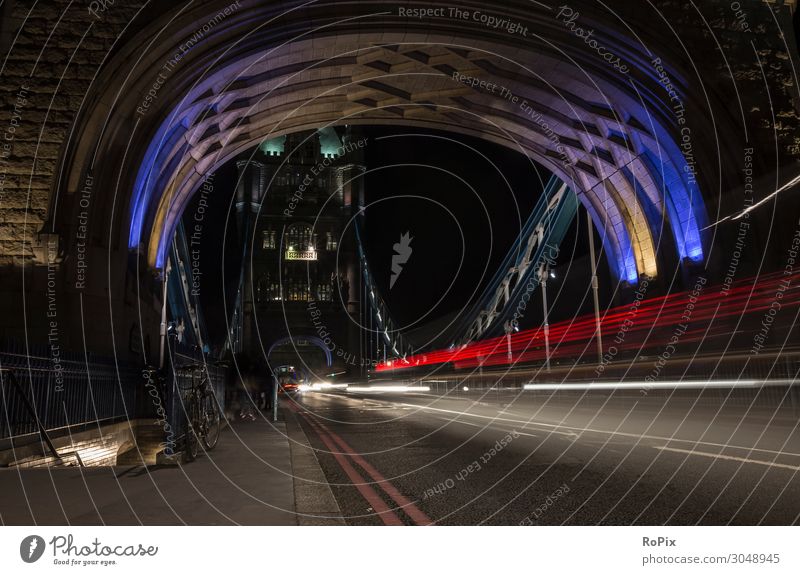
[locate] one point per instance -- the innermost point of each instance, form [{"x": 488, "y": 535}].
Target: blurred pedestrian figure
[
  {"x": 179, "y": 329},
  {"x": 267, "y": 383},
  {"x": 247, "y": 388}
]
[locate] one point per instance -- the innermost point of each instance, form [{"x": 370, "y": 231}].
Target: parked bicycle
[{"x": 203, "y": 413}]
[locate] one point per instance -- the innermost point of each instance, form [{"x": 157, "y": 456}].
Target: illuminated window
[
  {"x": 267, "y": 289},
  {"x": 275, "y": 293},
  {"x": 268, "y": 240},
  {"x": 331, "y": 244},
  {"x": 300, "y": 238},
  {"x": 297, "y": 290},
  {"x": 260, "y": 290},
  {"x": 324, "y": 292}
]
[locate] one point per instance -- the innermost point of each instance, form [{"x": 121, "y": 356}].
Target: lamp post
[
  {"x": 595, "y": 287},
  {"x": 544, "y": 271},
  {"x": 163, "y": 327},
  {"x": 508, "y": 329}
]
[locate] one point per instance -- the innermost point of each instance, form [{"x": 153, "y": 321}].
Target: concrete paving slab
[{"x": 246, "y": 480}]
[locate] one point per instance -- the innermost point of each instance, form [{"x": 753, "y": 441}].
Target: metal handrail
[{"x": 8, "y": 374}]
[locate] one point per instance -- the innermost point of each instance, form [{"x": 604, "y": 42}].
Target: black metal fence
[
  {"x": 64, "y": 390},
  {"x": 72, "y": 389}
]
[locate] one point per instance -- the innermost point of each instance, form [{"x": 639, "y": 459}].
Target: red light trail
[{"x": 695, "y": 315}]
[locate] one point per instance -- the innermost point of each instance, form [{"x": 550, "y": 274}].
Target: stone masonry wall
[{"x": 43, "y": 82}]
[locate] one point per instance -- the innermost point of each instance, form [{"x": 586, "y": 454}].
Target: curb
[{"x": 314, "y": 500}]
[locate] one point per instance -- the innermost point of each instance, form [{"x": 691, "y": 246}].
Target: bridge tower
[{"x": 296, "y": 198}]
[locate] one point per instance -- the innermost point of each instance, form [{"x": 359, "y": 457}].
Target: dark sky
[
  {"x": 462, "y": 212},
  {"x": 471, "y": 187}
]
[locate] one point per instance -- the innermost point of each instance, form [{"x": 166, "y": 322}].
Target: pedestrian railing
[
  {"x": 45, "y": 394},
  {"x": 39, "y": 392}
]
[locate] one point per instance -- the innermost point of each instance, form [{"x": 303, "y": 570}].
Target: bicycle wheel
[
  {"x": 191, "y": 443},
  {"x": 209, "y": 412}
]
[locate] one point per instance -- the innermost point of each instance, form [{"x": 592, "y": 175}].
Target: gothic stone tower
[{"x": 297, "y": 199}]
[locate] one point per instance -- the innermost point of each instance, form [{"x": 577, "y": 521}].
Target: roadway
[{"x": 505, "y": 457}]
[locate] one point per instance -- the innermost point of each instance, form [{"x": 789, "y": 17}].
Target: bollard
[{"x": 275, "y": 399}]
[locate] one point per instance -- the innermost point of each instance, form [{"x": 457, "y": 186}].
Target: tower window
[
  {"x": 268, "y": 240},
  {"x": 324, "y": 292},
  {"x": 297, "y": 290},
  {"x": 299, "y": 237},
  {"x": 331, "y": 243}
]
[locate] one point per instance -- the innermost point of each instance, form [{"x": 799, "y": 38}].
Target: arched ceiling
[{"x": 262, "y": 72}]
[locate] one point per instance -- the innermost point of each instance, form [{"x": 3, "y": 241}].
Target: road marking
[
  {"x": 329, "y": 437},
  {"x": 500, "y": 429},
  {"x": 447, "y": 419},
  {"x": 581, "y": 430},
  {"x": 730, "y": 458},
  {"x": 414, "y": 512},
  {"x": 388, "y": 516}
]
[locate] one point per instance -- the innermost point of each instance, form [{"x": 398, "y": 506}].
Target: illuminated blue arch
[
  {"x": 682, "y": 201},
  {"x": 668, "y": 167},
  {"x": 663, "y": 160},
  {"x": 147, "y": 179}
]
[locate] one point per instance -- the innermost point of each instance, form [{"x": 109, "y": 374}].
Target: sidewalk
[{"x": 249, "y": 479}]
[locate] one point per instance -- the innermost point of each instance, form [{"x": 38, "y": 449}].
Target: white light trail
[
  {"x": 388, "y": 388},
  {"x": 610, "y": 386}
]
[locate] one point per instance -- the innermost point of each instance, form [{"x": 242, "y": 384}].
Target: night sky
[
  {"x": 462, "y": 212},
  {"x": 421, "y": 182}
]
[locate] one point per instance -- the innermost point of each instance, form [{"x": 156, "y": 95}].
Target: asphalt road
[{"x": 510, "y": 458}]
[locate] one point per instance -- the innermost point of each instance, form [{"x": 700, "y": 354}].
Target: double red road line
[{"x": 341, "y": 454}]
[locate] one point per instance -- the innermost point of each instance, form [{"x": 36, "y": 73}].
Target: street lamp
[
  {"x": 595, "y": 288},
  {"x": 162, "y": 330},
  {"x": 544, "y": 273},
  {"x": 508, "y": 328}
]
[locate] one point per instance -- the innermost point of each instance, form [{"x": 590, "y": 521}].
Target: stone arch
[
  {"x": 293, "y": 339},
  {"x": 243, "y": 83}
]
